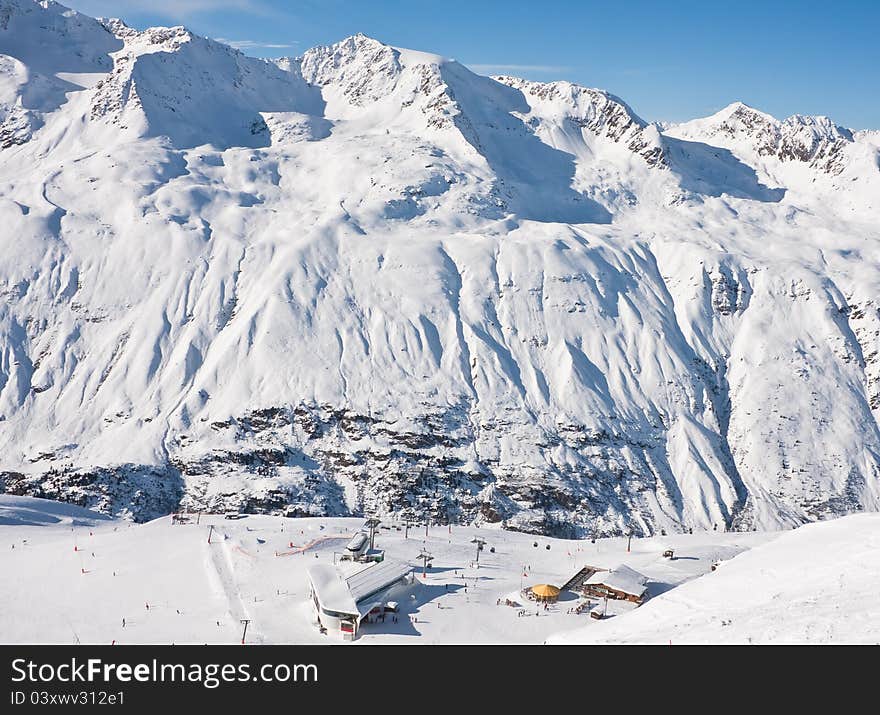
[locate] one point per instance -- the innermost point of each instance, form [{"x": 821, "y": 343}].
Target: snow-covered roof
[
  {"x": 376, "y": 577},
  {"x": 358, "y": 541},
  {"x": 331, "y": 589},
  {"x": 621, "y": 578},
  {"x": 344, "y": 593},
  {"x": 367, "y": 605}
]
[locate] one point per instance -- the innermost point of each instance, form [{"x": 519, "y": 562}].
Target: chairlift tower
[
  {"x": 426, "y": 557},
  {"x": 406, "y": 524},
  {"x": 480, "y": 542},
  {"x": 372, "y": 524}
]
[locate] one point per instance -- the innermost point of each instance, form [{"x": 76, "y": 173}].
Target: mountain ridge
[{"x": 370, "y": 280}]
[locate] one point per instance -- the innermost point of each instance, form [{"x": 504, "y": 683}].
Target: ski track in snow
[{"x": 220, "y": 561}]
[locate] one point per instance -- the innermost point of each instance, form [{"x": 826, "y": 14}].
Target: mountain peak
[
  {"x": 813, "y": 140},
  {"x": 118, "y": 27},
  {"x": 738, "y": 114},
  {"x": 368, "y": 280},
  {"x": 361, "y": 67},
  {"x": 738, "y": 106}
]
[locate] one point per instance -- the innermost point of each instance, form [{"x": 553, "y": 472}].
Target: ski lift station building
[
  {"x": 342, "y": 598},
  {"x": 358, "y": 545}
]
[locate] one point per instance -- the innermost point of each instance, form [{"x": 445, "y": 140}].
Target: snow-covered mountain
[{"x": 369, "y": 280}]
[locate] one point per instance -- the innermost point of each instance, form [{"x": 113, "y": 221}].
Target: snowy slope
[
  {"x": 816, "y": 584},
  {"x": 104, "y": 571},
  {"x": 46, "y": 53},
  {"x": 28, "y": 511},
  {"x": 368, "y": 279}
]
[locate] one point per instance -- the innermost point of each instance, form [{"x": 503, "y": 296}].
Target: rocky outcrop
[{"x": 130, "y": 491}]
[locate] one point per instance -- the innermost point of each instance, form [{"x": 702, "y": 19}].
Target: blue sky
[{"x": 670, "y": 60}]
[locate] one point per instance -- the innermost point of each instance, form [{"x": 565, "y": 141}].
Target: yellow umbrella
[{"x": 545, "y": 592}]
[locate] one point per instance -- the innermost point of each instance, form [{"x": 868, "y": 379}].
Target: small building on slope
[
  {"x": 342, "y": 599},
  {"x": 620, "y": 583}
]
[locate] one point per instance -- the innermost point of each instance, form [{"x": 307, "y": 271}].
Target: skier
[{"x": 123, "y": 623}]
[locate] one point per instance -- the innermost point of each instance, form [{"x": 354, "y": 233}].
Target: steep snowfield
[
  {"x": 368, "y": 279},
  {"x": 816, "y": 584},
  {"x": 45, "y": 55},
  {"x": 27, "y": 511}
]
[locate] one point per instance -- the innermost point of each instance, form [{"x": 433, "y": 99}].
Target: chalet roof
[{"x": 622, "y": 578}]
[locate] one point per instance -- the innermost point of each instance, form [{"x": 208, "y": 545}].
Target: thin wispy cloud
[
  {"x": 174, "y": 9},
  {"x": 497, "y": 68},
  {"x": 254, "y": 44}
]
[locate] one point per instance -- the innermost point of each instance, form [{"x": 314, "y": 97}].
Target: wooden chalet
[{"x": 621, "y": 583}]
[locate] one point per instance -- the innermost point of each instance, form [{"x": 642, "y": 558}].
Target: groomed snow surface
[{"x": 75, "y": 575}]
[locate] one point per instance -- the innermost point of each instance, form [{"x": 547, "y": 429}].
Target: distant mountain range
[{"x": 369, "y": 280}]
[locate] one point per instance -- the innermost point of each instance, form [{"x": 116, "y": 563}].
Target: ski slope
[
  {"x": 74, "y": 580},
  {"x": 814, "y": 584}
]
